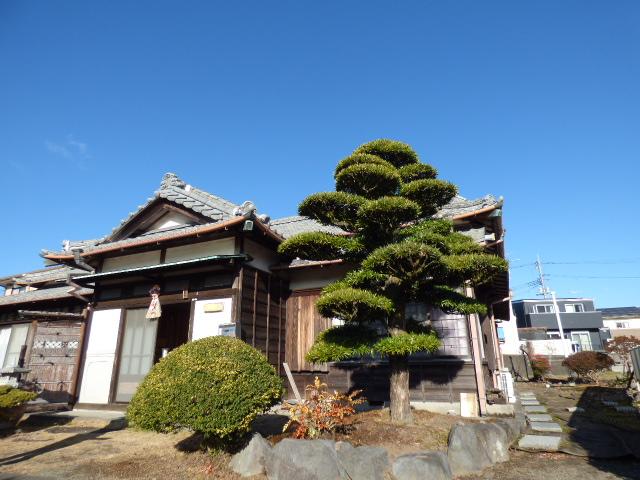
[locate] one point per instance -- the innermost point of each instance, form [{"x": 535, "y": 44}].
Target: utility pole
[{"x": 544, "y": 291}]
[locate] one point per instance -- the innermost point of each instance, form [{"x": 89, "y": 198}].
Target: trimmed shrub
[
  {"x": 430, "y": 194},
  {"x": 332, "y": 208},
  {"x": 386, "y": 214},
  {"x": 477, "y": 268},
  {"x": 417, "y": 171},
  {"x": 319, "y": 246},
  {"x": 11, "y": 401},
  {"x": 397, "y": 153},
  {"x": 352, "y": 303},
  {"x": 368, "y": 180},
  {"x": 588, "y": 366},
  {"x": 215, "y": 386},
  {"x": 540, "y": 366},
  {"x": 360, "y": 158}
]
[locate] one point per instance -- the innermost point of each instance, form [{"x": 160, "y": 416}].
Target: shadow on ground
[{"x": 86, "y": 434}]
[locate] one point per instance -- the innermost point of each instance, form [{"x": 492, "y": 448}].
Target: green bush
[
  {"x": 417, "y": 171},
  {"x": 332, "y": 208},
  {"x": 215, "y": 386},
  {"x": 10, "y": 398},
  {"x": 319, "y": 246}
]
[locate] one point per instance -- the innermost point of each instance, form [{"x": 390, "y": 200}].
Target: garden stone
[
  {"x": 495, "y": 440},
  {"x": 512, "y": 427},
  {"x": 422, "y": 465},
  {"x": 535, "y": 409},
  {"x": 303, "y": 460},
  {"x": 546, "y": 427},
  {"x": 467, "y": 452},
  {"x": 539, "y": 443},
  {"x": 575, "y": 409},
  {"x": 362, "y": 463},
  {"x": 539, "y": 417},
  {"x": 250, "y": 461}
]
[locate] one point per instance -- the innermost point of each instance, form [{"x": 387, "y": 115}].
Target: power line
[{"x": 595, "y": 276}]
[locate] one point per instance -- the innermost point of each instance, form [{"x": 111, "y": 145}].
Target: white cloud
[{"x": 72, "y": 149}]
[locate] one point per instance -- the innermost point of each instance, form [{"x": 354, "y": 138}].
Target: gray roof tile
[{"x": 41, "y": 295}]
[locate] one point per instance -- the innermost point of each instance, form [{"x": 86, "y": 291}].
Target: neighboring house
[
  {"x": 218, "y": 272},
  {"x": 581, "y": 322},
  {"x": 41, "y": 329},
  {"x": 622, "y": 321}
]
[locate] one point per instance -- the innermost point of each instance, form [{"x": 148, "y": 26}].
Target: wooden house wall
[
  {"x": 429, "y": 381},
  {"x": 263, "y": 313},
  {"x": 304, "y": 324}
]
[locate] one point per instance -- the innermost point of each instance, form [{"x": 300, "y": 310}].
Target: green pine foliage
[
  {"x": 360, "y": 158},
  {"x": 417, "y": 171},
  {"x": 385, "y": 198},
  {"x": 215, "y": 386},
  {"x": 429, "y": 193},
  {"x": 320, "y": 246},
  {"x": 368, "y": 180},
  {"x": 333, "y": 208},
  {"x": 397, "y": 153}
]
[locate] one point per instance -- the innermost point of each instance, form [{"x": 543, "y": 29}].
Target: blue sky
[{"x": 535, "y": 101}]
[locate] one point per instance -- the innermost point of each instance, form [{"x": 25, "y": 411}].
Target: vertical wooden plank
[
  {"x": 76, "y": 367},
  {"x": 255, "y": 300},
  {"x": 116, "y": 364},
  {"x": 279, "y": 327},
  {"x": 267, "y": 349}
]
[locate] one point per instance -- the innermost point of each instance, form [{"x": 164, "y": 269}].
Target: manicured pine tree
[{"x": 385, "y": 198}]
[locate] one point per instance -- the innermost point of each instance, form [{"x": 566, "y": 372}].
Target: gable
[{"x": 171, "y": 219}]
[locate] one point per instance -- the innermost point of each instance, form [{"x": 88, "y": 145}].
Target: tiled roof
[
  {"x": 620, "y": 312},
  {"x": 41, "y": 295},
  {"x": 178, "y": 191},
  {"x": 462, "y": 206},
  {"x": 45, "y": 275},
  {"x": 289, "y": 226}
]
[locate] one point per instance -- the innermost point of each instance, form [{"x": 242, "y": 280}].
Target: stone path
[{"x": 541, "y": 426}]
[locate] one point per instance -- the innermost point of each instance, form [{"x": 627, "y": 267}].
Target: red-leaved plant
[{"x": 321, "y": 412}]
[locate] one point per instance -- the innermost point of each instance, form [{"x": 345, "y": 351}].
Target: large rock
[
  {"x": 512, "y": 427},
  {"x": 474, "y": 447},
  {"x": 422, "y": 465},
  {"x": 362, "y": 463},
  {"x": 303, "y": 460},
  {"x": 250, "y": 461}
]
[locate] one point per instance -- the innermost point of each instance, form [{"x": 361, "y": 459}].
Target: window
[
  {"x": 574, "y": 308},
  {"x": 500, "y": 331},
  {"x": 622, "y": 324},
  {"x": 11, "y": 341},
  {"x": 544, "y": 309},
  {"x": 553, "y": 335},
  {"x": 451, "y": 328}
]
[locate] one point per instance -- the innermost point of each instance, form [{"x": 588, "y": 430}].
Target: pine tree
[{"x": 385, "y": 199}]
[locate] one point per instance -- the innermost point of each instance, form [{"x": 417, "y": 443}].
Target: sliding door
[{"x": 136, "y": 355}]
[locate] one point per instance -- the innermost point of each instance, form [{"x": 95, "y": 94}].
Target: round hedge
[
  {"x": 417, "y": 171},
  {"x": 215, "y": 386},
  {"x": 430, "y": 194}
]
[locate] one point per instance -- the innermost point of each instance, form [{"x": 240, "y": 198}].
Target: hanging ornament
[{"x": 155, "y": 311}]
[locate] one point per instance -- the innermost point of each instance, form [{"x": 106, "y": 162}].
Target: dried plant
[{"x": 321, "y": 411}]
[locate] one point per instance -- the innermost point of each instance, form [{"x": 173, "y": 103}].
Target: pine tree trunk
[{"x": 399, "y": 389}]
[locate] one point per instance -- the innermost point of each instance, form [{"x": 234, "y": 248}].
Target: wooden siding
[
  {"x": 304, "y": 324},
  {"x": 53, "y": 356},
  {"x": 430, "y": 381},
  {"x": 263, "y": 314}
]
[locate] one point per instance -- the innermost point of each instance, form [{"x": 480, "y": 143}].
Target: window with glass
[
  {"x": 574, "y": 308},
  {"x": 544, "y": 309},
  {"x": 451, "y": 328}
]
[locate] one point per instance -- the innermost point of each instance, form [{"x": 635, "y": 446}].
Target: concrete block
[
  {"x": 542, "y": 443},
  {"x": 549, "y": 427}
]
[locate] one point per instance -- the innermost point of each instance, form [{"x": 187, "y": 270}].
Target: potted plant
[{"x": 13, "y": 404}]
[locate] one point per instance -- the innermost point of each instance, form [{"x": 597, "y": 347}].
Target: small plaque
[
  {"x": 213, "y": 307},
  {"x": 228, "y": 330}
]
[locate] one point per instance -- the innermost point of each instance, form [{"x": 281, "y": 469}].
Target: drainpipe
[{"x": 80, "y": 262}]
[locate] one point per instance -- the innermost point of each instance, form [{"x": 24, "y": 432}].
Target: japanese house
[
  {"x": 42, "y": 322},
  {"x": 622, "y": 321},
  {"x": 218, "y": 273}
]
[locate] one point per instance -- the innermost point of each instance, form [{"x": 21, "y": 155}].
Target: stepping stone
[
  {"x": 545, "y": 427},
  {"x": 539, "y": 417},
  {"x": 530, "y": 402},
  {"x": 535, "y": 409},
  {"x": 575, "y": 409},
  {"x": 608, "y": 403},
  {"x": 543, "y": 443},
  {"x": 527, "y": 393}
]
